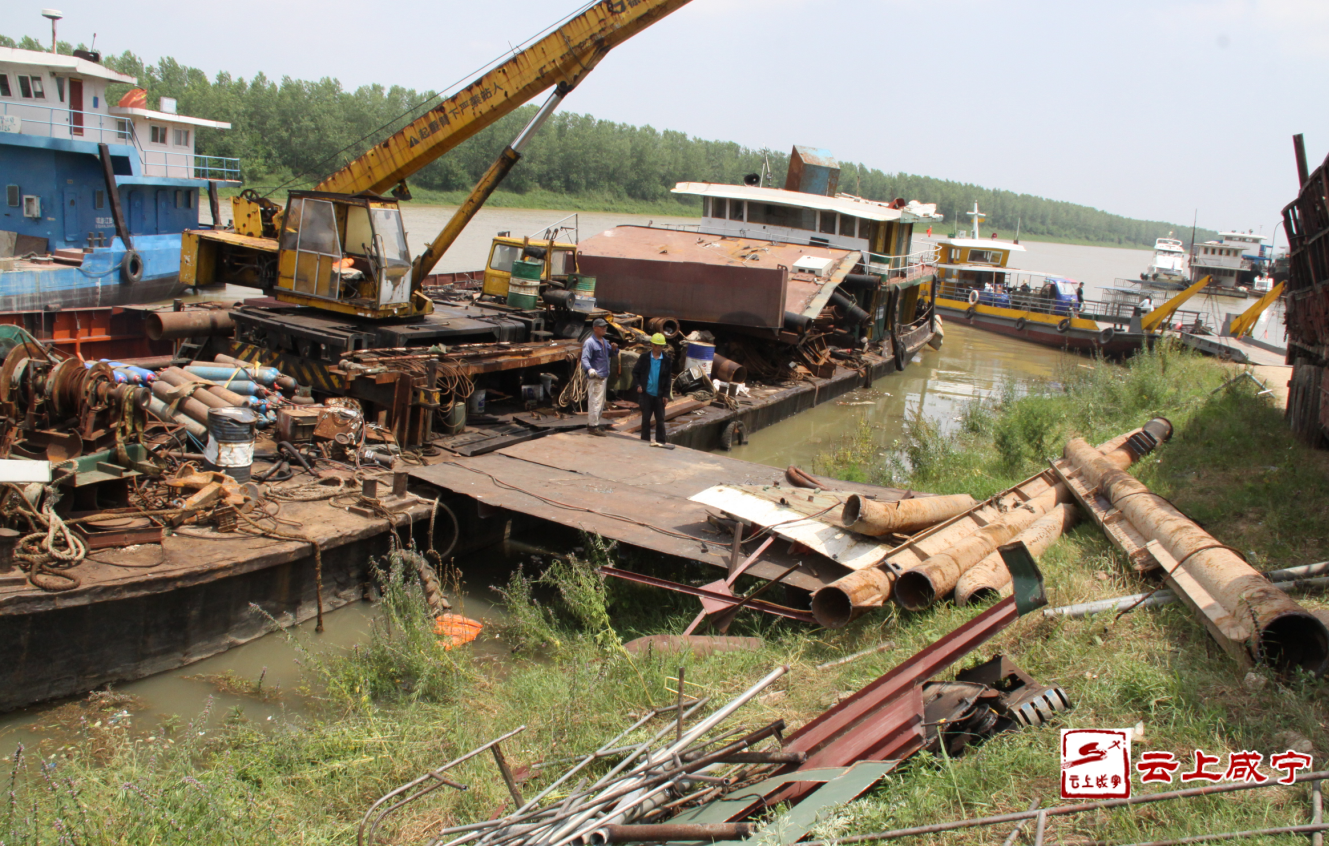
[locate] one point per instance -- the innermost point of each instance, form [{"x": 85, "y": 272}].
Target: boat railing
[
  {"x": 50, "y": 122},
  {"x": 185, "y": 165},
  {"x": 677, "y": 227},
  {"x": 1038, "y": 302},
  {"x": 905, "y": 267}
]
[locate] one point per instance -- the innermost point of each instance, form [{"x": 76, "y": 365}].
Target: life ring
[
  {"x": 1105, "y": 337},
  {"x": 1019, "y": 324},
  {"x": 732, "y": 434},
  {"x": 131, "y": 267},
  {"x": 1064, "y": 325},
  {"x": 971, "y": 311},
  {"x": 973, "y": 297}
]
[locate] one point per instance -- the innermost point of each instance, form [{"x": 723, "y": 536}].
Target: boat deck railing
[
  {"x": 906, "y": 267},
  {"x": 101, "y": 128},
  {"x": 1034, "y": 302},
  {"x": 48, "y": 122}
]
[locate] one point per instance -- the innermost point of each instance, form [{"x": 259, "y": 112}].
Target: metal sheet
[{"x": 822, "y": 535}]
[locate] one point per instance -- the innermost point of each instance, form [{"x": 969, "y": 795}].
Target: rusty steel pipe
[
  {"x": 179, "y": 376},
  {"x": 1288, "y": 635},
  {"x": 990, "y": 577},
  {"x": 666, "y": 832},
  {"x": 903, "y": 517},
  {"x": 667, "y": 326},
  {"x": 727, "y": 370},
  {"x": 206, "y": 397},
  {"x": 919, "y": 587},
  {"x": 190, "y": 407},
  {"x": 198, "y": 323},
  {"x": 846, "y": 598}
]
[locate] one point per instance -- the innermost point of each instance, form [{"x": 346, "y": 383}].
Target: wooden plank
[
  {"x": 791, "y": 521},
  {"x": 675, "y": 408}
]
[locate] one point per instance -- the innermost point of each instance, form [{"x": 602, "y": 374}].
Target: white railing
[
  {"x": 908, "y": 267},
  {"x": 48, "y": 122},
  {"x": 100, "y": 128}
]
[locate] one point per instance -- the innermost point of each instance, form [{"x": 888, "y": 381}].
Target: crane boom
[{"x": 561, "y": 57}]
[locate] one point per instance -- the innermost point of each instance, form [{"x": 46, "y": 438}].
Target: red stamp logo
[{"x": 1095, "y": 763}]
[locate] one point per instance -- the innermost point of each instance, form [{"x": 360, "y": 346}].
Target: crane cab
[
  {"x": 559, "y": 259},
  {"x": 346, "y": 254}
]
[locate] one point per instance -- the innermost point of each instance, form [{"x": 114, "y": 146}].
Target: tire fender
[
  {"x": 732, "y": 434},
  {"x": 131, "y": 267},
  {"x": 1064, "y": 326},
  {"x": 971, "y": 311},
  {"x": 1105, "y": 337},
  {"x": 1020, "y": 324}
]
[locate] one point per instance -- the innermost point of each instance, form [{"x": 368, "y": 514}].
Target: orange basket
[{"x": 456, "y": 629}]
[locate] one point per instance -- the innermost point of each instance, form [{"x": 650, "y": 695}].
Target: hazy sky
[{"x": 1147, "y": 109}]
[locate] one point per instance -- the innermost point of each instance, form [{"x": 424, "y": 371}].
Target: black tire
[
  {"x": 733, "y": 433},
  {"x": 1019, "y": 324},
  {"x": 1105, "y": 337},
  {"x": 131, "y": 267},
  {"x": 1064, "y": 326},
  {"x": 971, "y": 311}
]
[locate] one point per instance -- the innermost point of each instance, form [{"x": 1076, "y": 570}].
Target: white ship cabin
[
  {"x": 1252, "y": 246},
  {"x": 796, "y": 217},
  {"x": 166, "y": 139},
  {"x": 1220, "y": 260},
  {"x": 51, "y": 96}
]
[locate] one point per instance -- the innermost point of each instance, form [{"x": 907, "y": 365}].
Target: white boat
[{"x": 1170, "y": 264}]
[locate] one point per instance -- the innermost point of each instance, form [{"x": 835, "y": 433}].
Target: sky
[{"x": 1159, "y": 110}]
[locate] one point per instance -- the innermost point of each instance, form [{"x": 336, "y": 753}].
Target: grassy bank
[{"x": 398, "y": 705}]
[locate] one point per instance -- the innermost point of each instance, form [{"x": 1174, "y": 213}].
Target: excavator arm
[
  {"x": 560, "y": 58},
  {"x": 1243, "y": 324}
]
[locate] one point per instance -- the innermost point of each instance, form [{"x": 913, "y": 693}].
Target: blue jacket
[{"x": 595, "y": 356}]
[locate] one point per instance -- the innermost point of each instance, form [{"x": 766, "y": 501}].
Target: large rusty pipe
[
  {"x": 191, "y": 407},
  {"x": 841, "y": 601},
  {"x": 990, "y": 577},
  {"x": 207, "y": 398},
  {"x": 195, "y": 323},
  {"x": 919, "y": 587},
  {"x": 181, "y": 376},
  {"x": 904, "y": 517},
  {"x": 727, "y": 370},
  {"x": 1288, "y": 635}
]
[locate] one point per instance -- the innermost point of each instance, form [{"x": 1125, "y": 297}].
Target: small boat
[{"x": 96, "y": 194}]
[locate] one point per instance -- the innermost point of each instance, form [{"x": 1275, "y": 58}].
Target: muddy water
[{"x": 937, "y": 384}]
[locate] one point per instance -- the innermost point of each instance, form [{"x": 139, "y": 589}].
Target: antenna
[{"x": 52, "y": 15}]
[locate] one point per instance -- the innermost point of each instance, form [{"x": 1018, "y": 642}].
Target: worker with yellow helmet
[{"x": 653, "y": 379}]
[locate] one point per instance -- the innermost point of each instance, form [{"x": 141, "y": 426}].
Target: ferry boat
[
  {"x": 96, "y": 195},
  {"x": 973, "y": 283}
]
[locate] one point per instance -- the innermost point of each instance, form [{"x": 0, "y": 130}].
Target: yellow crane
[
  {"x": 1158, "y": 317},
  {"x": 1245, "y": 322},
  {"x": 342, "y": 246}
]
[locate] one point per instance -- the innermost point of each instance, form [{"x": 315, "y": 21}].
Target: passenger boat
[{"x": 96, "y": 195}]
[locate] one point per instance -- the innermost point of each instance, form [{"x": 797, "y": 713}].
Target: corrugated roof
[{"x": 842, "y": 204}]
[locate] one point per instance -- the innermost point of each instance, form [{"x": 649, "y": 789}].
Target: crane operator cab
[{"x": 348, "y": 254}]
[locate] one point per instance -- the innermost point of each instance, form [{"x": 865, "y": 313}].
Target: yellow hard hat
[{"x": 659, "y": 339}]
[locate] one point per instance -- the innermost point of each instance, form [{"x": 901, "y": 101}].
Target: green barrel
[
  {"x": 585, "y": 286},
  {"x": 527, "y": 270},
  {"x": 523, "y": 293}
]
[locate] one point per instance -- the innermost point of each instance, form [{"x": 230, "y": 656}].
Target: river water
[{"x": 937, "y": 385}]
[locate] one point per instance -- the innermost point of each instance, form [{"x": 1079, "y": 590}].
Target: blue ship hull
[{"x": 99, "y": 281}]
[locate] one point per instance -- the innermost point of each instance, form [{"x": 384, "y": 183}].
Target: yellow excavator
[{"x": 341, "y": 250}]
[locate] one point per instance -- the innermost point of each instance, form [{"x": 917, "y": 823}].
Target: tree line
[{"x": 292, "y": 132}]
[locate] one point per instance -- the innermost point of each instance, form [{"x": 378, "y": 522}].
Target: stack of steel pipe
[
  {"x": 990, "y": 577},
  {"x": 648, "y": 781},
  {"x": 1285, "y": 635}
]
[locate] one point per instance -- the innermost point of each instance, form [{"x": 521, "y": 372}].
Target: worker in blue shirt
[
  {"x": 595, "y": 355},
  {"x": 653, "y": 378}
]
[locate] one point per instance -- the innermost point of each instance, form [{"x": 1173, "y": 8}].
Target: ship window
[
  {"x": 502, "y": 258},
  {"x": 12, "y": 195},
  {"x": 735, "y": 209},
  {"x": 60, "y": 89},
  {"x": 848, "y": 226},
  {"x": 4, "y": 85},
  {"x": 25, "y": 88},
  {"x": 827, "y": 223},
  {"x": 717, "y": 206},
  {"x": 157, "y": 134},
  {"x": 99, "y": 199},
  {"x": 985, "y": 256},
  {"x": 181, "y": 137}
]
